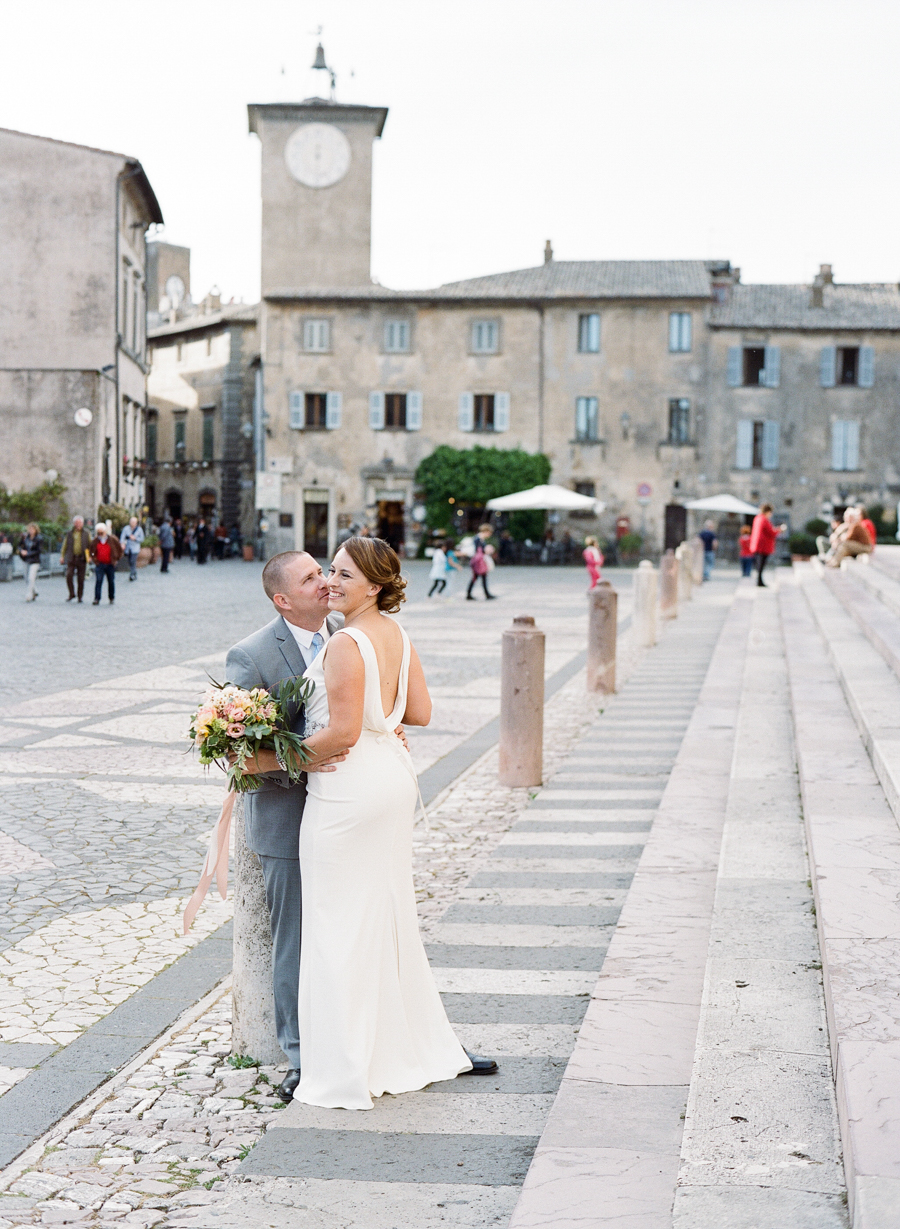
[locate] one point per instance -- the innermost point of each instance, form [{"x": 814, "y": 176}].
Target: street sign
[{"x": 645, "y": 490}]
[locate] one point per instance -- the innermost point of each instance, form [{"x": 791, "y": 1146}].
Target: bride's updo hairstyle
[{"x": 380, "y": 566}]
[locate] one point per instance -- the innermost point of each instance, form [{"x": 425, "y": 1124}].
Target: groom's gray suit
[{"x": 272, "y": 817}]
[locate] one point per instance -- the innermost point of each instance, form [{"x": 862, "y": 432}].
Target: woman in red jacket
[{"x": 762, "y": 540}]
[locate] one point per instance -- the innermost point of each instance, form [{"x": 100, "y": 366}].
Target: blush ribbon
[{"x": 216, "y": 864}]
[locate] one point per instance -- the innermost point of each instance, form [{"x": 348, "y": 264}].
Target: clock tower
[{"x": 316, "y": 193}]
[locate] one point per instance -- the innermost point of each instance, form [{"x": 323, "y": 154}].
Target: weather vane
[{"x": 319, "y": 64}]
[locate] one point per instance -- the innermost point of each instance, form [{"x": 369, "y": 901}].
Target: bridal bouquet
[{"x": 231, "y": 722}]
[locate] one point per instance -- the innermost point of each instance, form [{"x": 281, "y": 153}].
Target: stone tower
[{"x": 316, "y": 192}]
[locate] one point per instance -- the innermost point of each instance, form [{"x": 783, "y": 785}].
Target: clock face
[{"x": 317, "y": 155}]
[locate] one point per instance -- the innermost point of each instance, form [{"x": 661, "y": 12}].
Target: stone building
[
  {"x": 204, "y": 369},
  {"x": 73, "y": 222},
  {"x": 647, "y": 383},
  {"x": 802, "y": 391}
]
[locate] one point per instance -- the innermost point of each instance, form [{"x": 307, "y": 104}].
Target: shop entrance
[
  {"x": 315, "y": 523},
  {"x": 391, "y": 524}
]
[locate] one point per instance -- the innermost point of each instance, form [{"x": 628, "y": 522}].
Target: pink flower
[{"x": 235, "y": 730}]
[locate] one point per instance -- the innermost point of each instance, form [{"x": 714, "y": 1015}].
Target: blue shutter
[
  {"x": 334, "y": 404},
  {"x": 744, "y": 458},
  {"x": 501, "y": 411},
  {"x": 837, "y": 445},
  {"x": 466, "y": 412},
  {"x": 866, "y": 373},
  {"x": 297, "y": 410},
  {"x": 828, "y": 366},
  {"x": 376, "y": 411},
  {"x": 673, "y": 332},
  {"x": 684, "y": 338},
  {"x": 851, "y": 445},
  {"x": 735, "y": 376},
  {"x": 773, "y": 373},
  {"x": 770, "y": 445},
  {"x": 414, "y": 411}
]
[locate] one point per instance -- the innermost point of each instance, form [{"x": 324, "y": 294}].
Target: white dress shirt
[{"x": 304, "y": 640}]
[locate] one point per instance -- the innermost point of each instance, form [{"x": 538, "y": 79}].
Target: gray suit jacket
[{"x": 272, "y": 813}]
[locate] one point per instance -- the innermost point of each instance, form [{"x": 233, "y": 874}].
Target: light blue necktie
[{"x": 317, "y": 641}]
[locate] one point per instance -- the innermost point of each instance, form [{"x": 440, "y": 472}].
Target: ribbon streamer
[{"x": 216, "y": 864}]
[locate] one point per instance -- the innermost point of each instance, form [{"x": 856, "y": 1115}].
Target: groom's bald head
[{"x": 296, "y": 587}]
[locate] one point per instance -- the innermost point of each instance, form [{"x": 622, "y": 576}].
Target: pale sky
[{"x": 761, "y": 131}]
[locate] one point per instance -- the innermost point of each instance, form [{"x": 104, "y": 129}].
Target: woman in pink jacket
[{"x": 762, "y": 540}]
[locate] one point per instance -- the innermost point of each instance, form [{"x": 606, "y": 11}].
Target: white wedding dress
[{"x": 371, "y": 1018}]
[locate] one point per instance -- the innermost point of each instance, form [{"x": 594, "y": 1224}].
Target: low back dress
[{"x": 371, "y": 1018}]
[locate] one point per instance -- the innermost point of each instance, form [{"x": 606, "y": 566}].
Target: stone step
[
  {"x": 876, "y": 619},
  {"x": 871, "y": 691},
  {"x": 854, "y": 852}
]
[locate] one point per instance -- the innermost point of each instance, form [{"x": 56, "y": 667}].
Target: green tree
[{"x": 472, "y": 476}]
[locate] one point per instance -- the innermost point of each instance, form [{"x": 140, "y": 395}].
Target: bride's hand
[{"x": 401, "y": 734}]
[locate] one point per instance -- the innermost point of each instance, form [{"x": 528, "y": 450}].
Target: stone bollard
[
  {"x": 697, "y": 560},
  {"x": 668, "y": 586},
  {"x": 646, "y": 591},
  {"x": 522, "y": 704},
  {"x": 603, "y": 604},
  {"x": 253, "y": 1012},
  {"x": 685, "y": 584}
]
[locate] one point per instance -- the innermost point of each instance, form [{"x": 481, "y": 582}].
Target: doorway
[
  {"x": 676, "y": 526},
  {"x": 391, "y": 527},
  {"x": 315, "y": 528}
]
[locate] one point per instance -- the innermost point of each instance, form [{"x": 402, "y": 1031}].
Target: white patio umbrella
[
  {"x": 549, "y": 497},
  {"x": 721, "y": 503}
]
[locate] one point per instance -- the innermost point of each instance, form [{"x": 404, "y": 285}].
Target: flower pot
[
  {"x": 248, "y": 554},
  {"x": 157, "y": 554},
  {"x": 145, "y": 555}
]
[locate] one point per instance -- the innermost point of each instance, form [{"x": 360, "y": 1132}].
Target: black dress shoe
[
  {"x": 285, "y": 1089},
  {"x": 481, "y": 1066}
]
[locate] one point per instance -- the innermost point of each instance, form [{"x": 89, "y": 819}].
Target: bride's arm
[
  {"x": 345, "y": 681},
  {"x": 418, "y": 701}
]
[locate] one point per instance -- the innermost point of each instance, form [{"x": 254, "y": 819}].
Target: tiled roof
[
  {"x": 864, "y": 306},
  {"x": 239, "y": 312},
  {"x": 560, "y": 279}
]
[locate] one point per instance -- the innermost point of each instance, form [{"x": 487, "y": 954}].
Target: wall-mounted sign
[{"x": 268, "y": 490}]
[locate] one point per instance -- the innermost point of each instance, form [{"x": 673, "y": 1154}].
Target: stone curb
[{"x": 854, "y": 851}]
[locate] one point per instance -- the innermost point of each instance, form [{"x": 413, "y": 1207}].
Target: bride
[{"x": 371, "y": 1019}]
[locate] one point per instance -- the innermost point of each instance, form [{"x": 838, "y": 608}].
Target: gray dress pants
[{"x": 282, "y": 876}]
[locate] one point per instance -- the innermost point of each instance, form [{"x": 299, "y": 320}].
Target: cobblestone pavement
[
  {"x": 146, "y": 1148},
  {"x": 105, "y": 817}
]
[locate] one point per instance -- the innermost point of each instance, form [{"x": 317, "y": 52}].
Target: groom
[{"x": 283, "y": 649}]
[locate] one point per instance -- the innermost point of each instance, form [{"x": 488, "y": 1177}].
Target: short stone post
[
  {"x": 697, "y": 560},
  {"x": 685, "y": 584},
  {"x": 646, "y": 590},
  {"x": 522, "y": 704},
  {"x": 668, "y": 586},
  {"x": 603, "y": 604},
  {"x": 253, "y": 1012}
]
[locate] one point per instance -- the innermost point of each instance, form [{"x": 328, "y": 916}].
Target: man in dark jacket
[
  {"x": 31, "y": 544},
  {"x": 74, "y": 556},
  {"x": 166, "y": 544}
]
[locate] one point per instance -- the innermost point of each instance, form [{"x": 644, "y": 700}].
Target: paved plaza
[{"x": 663, "y": 946}]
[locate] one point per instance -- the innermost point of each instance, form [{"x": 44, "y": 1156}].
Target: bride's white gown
[{"x": 371, "y": 1019}]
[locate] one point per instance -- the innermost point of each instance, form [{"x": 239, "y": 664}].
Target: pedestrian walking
[
  {"x": 593, "y": 560},
  {"x": 31, "y": 544},
  {"x": 178, "y": 531},
  {"x": 707, "y": 536},
  {"x": 131, "y": 538},
  {"x": 479, "y": 563},
  {"x": 201, "y": 540},
  {"x": 106, "y": 551},
  {"x": 75, "y": 553},
  {"x": 166, "y": 544},
  {"x": 745, "y": 552},
  {"x": 439, "y": 569},
  {"x": 763, "y": 537}
]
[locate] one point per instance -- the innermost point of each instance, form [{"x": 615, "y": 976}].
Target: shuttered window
[
  {"x": 485, "y": 336},
  {"x": 757, "y": 444},
  {"x": 334, "y": 407},
  {"x": 414, "y": 411},
  {"x": 466, "y": 412},
  {"x": 589, "y": 333},
  {"x": 396, "y": 336},
  {"x": 376, "y": 411},
  {"x": 586, "y": 418},
  {"x": 828, "y": 366},
  {"x": 845, "y": 445},
  {"x": 501, "y": 411},
  {"x": 317, "y": 335},
  {"x": 679, "y": 332},
  {"x": 296, "y": 411}
]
